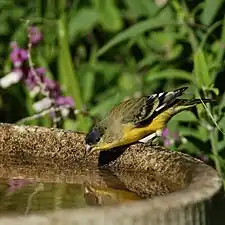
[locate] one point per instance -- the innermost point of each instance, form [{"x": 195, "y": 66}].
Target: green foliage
[
  {"x": 102, "y": 52},
  {"x": 201, "y": 69}
]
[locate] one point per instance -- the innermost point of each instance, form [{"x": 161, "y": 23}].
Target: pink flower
[
  {"x": 62, "y": 100},
  {"x": 35, "y": 35},
  {"x": 18, "y": 55},
  {"x": 167, "y": 142},
  {"x": 31, "y": 79},
  {"x": 35, "y": 80},
  {"x": 52, "y": 86},
  {"x": 165, "y": 132}
]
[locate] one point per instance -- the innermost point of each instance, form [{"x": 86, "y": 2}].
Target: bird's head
[{"x": 94, "y": 139}]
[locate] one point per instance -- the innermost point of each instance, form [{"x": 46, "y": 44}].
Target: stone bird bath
[{"x": 184, "y": 190}]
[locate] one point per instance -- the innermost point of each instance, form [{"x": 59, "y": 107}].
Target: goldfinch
[
  {"x": 95, "y": 195},
  {"x": 137, "y": 120}
]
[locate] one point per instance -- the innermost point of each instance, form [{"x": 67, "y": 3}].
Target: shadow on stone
[{"x": 106, "y": 157}]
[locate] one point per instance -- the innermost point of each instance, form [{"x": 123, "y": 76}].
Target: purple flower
[
  {"x": 35, "y": 80},
  {"x": 165, "y": 132},
  {"x": 167, "y": 142},
  {"x": 18, "y": 55},
  {"x": 35, "y": 35},
  {"x": 52, "y": 86},
  {"x": 31, "y": 79},
  {"x": 169, "y": 138},
  {"x": 40, "y": 71},
  {"x": 62, "y": 100}
]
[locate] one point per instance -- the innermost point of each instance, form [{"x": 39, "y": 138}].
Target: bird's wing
[{"x": 141, "y": 110}]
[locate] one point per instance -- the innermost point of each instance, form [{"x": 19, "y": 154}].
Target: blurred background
[{"x": 64, "y": 63}]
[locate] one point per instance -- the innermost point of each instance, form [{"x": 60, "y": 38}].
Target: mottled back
[{"x": 139, "y": 110}]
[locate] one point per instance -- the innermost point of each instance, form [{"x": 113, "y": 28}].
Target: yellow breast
[{"x": 135, "y": 134}]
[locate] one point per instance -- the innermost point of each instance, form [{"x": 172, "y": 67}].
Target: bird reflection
[{"x": 114, "y": 192}]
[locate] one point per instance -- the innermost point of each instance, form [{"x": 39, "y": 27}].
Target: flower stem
[{"x": 213, "y": 140}]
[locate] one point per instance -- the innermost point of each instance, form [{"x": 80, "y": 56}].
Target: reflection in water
[
  {"x": 29, "y": 196},
  {"x": 23, "y": 196},
  {"x": 16, "y": 184},
  {"x": 28, "y": 189},
  {"x": 98, "y": 196}
]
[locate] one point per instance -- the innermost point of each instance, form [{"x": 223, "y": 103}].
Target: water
[
  {"x": 22, "y": 196},
  {"x": 29, "y": 189}
]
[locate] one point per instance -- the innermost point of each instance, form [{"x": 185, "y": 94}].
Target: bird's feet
[{"x": 148, "y": 140}]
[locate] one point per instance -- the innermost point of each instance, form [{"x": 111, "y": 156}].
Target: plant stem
[{"x": 213, "y": 140}]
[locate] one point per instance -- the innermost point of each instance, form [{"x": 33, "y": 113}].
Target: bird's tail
[{"x": 187, "y": 104}]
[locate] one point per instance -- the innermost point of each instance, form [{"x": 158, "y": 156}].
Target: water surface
[{"x": 29, "y": 189}]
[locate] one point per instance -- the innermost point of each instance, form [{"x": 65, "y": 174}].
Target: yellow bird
[
  {"x": 97, "y": 195},
  {"x": 137, "y": 120}
]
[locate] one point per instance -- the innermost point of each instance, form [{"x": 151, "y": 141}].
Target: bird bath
[{"x": 46, "y": 179}]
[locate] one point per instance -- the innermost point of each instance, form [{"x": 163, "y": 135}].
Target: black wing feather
[{"x": 157, "y": 103}]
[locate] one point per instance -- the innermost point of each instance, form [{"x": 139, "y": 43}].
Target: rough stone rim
[{"x": 140, "y": 209}]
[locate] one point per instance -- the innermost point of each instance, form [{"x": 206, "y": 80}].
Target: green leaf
[
  {"x": 203, "y": 133},
  {"x": 128, "y": 82},
  {"x": 222, "y": 122},
  {"x": 141, "y": 7},
  {"x": 190, "y": 148},
  {"x": 109, "y": 14},
  {"x": 200, "y": 134},
  {"x": 110, "y": 70},
  {"x": 169, "y": 74},
  {"x": 221, "y": 145},
  {"x": 215, "y": 91},
  {"x": 105, "y": 106},
  {"x": 148, "y": 60},
  {"x": 67, "y": 76},
  {"x": 221, "y": 106},
  {"x": 82, "y": 22},
  {"x": 211, "y": 7},
  {"x": 185, "y": 116},
  {"x": 134, "y": 31},
  {"x": 108, "y": 93},
  {"x": 71, "y": 124},
  {"x": 201, "y": 69},
  {"x": 221, "y": 51},
  {"x": 88, "y": 85}
]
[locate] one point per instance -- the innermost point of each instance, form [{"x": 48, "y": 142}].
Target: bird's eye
[{"x": 97, "y": 139}]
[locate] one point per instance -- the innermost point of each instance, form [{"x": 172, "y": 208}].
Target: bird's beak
[{"x": 88, "y": 150}]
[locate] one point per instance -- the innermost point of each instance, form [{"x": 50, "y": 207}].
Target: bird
[
  {"x": 138, "y": 120},
  {"x": 97, "y": 195}
]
